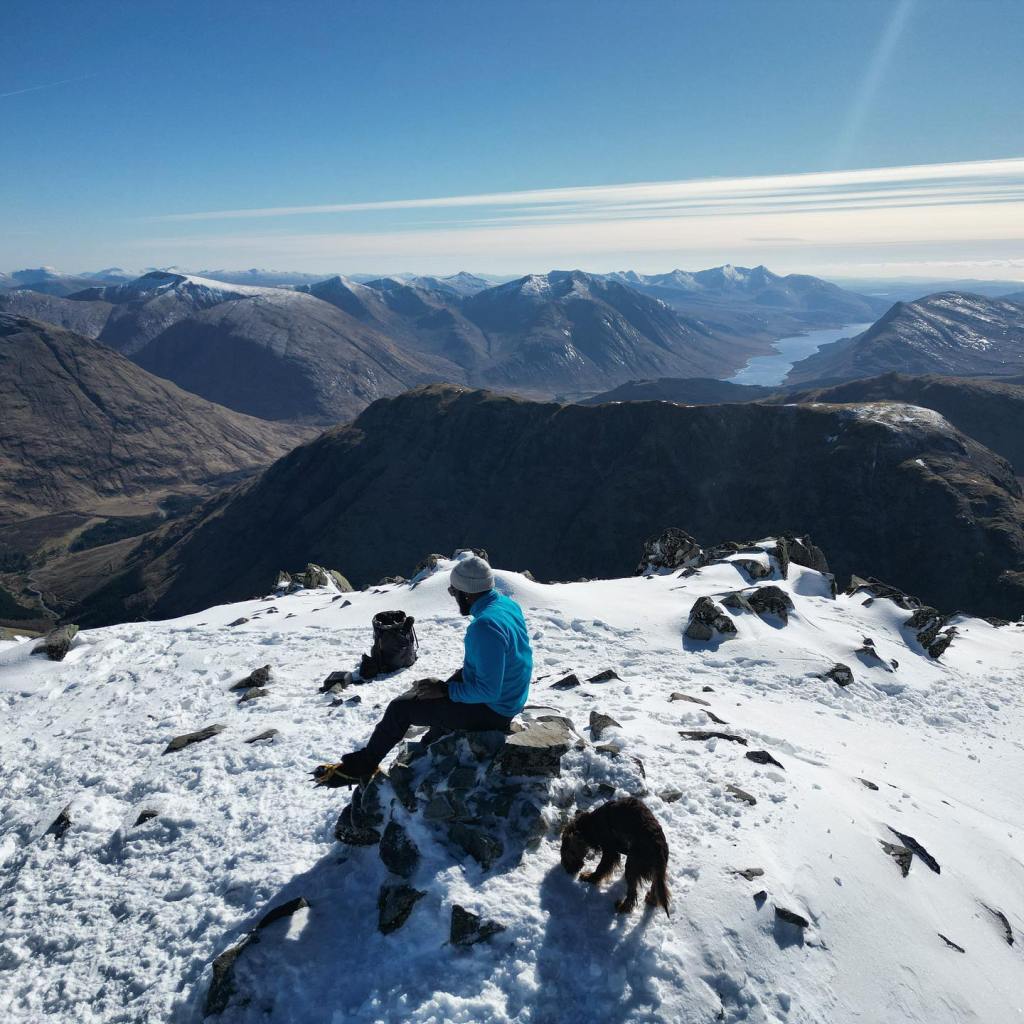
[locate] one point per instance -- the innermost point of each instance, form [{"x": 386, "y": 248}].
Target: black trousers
[{"x": 441, "y": 714}]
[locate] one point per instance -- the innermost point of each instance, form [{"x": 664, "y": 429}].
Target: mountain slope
[
  {"x": 948, "y": 333},
  {"x": 234, "y": 829},
  {"x": 83, "y": 426},
  {"x": 85, "y": 318},
  {"x": 686, "y": 391},
  {"x": 989, "y": 410},
  {"x": 565, "y": 490}
]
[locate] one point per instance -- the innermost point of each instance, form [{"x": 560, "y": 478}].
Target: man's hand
[{"x": 431, "y": 689}]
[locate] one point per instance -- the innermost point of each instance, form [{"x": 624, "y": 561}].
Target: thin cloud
[
  {"x": 47, "y": 85},
  {"x": 936, "y": 184}
]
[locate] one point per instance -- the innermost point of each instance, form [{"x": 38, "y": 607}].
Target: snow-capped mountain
[
  {"x": 792, "y": 294},
  {"x": 948, "y": 333},
  {"x": 838, "y": 853}
]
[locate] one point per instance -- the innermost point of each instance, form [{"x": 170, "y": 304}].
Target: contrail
[{"x": 48, "y": 85}]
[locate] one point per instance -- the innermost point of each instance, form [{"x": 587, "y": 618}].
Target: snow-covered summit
[{"x": 890, "y": 823}]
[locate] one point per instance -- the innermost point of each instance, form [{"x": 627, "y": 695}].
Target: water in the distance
[{"x": 771, "y": 370}]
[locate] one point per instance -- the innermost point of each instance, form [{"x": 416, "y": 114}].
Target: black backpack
[{"x": 394, "y": 644}]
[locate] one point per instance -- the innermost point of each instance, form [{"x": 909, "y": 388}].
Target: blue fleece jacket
[{"x": 498, "y": 664}]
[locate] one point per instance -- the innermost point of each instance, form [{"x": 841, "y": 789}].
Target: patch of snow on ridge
[{"x": 118, "y": 922}]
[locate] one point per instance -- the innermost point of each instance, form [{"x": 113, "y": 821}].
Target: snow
[{"x": 121, "y": 923}]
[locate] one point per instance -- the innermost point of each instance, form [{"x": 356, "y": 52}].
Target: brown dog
[{"x": 620, "y": 827}]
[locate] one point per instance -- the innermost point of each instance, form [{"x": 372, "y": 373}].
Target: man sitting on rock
[{"x": 486, "y": 693}]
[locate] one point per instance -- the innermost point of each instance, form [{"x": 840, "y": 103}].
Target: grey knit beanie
[{"x": 472, "y": 575}]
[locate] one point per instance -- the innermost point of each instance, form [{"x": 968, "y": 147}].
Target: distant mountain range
[
  {"x": 948, "y": 333},
  {"x": 590, "y": 484},
  {"x": 322, "y": 351}
]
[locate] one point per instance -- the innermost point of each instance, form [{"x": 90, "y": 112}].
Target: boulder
[
  {"x": 762, "y": 757},
  {"x": 771, "y": 600},
  {"x": 691, "y": 700},
  {"x": 346, "y": 831},
  {"x": 391, "y": 581},
  {"x": 481, "y": 844},
  {"x": 900, "y": 854},
  {"x": 875, "y": 588},
  {"x": 840, "y": 674},
  {"x": 398, "y": 852},
  {"x": 284, "y": 580},
  {"x": 741, "y": 794},
  {"x": 479, "y": 552},
  {"x": 599, "y": 722},
  {"x": 337, "y": 681},
  {"x": 737, "y": 602},
  {"x": 187, "y": 739},
  {"x": 930, "y": 627},
  {"x": 569, "y": 682},
  {"x": 750, "y": 873},
  {"x": 711, "y": 734},
  {"x": 267, "y": 734},
  {"x": 468, "y": 928},
  {"x": 537, "y": 750},
  {"x": 799, "y": 551},
  {"x": 394, "y": 905},
  {"x": 670, "y": 550},
  {"x": 56, "y": 644},
  {"x": 253, "y": 693},
  {"x": 791, "y": 917},
  {"x": 604, "y": 676},
  {"x": 238, "y": 622},
  {"x": 707, "y": 619},
  {"x": 222, "y": 984},
  {"x": 755, "y": 569}
]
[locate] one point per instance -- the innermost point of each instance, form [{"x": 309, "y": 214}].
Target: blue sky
[{"x": 123, "y": 122}]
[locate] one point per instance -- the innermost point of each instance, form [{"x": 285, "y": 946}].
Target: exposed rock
[
  {"x": 238, "y": 622},
  {"x": 669, "y": 550},
  {"x": 56, "y": 644},
  {"x": 537, "y": 750},
  {"x": 391, "y": 580},
  {"x": 951, "y": 943},
  {"x": 867, "y": 784},
  {"x": 479, "y": 552},
  {"x": 771, "y": 600},
  {"x": 912, "y": 844},
  {"x": 336, "y": 682},
  {"x": 900, "y": 854},
  {"x": 762, "y": 757},
  {"x": 284, "y": 580},
  {"x": 707, "y": 689},
  {"x": 799, "y": 551},
  {"x": 930, "y": 627},
  {"x": 267, "y": 734},
  {"x": 692, "y": 700},
  {"x": 754, "y": 568},
  {"x": 869, "y": 654},
  {"x": 340, "y": 581},
  {"x": 315, "y": 576},
  {"x": 737, "y": 602},
  {"x": 599, "y": 722},
  {"x": 604, "y": 676},
  {"x": 479, "y": 843},
  {"x": 741, "y": 794},
  {"x": 144, "y": 816},
  {"x": 710, "y": 734},
  {"x": 468, "y": 928},
  {"x": 346, "y": 831},
  {"x": 750, "y": 873},
  {"x": 253, "y": 693},
  {"x": 1003, "y": 921},
  {"x": 759, "y": 898},
  {"x": 222, "y": 984},
  {"x": 840, "y": 674},
  {"x": 791, "y": 917},
  {"x": 394, "y": 905},
  {"x": 707, "y": 619},
  {"x": 568, "y": 682},
  {"x": 187, "y": 739},
  {"x": 439, "y": 808},
  {"x": 670, "y": 796},
  {"x": 399, "y": 853},
  {"x": 282, "y": 911},
  {"x": 60, "y": 824},
  {"x": 878, "y": 589},
  {"x": 714, "y": 718}
]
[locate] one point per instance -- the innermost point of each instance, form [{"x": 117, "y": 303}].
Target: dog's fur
[{"x": 620, "y": 827}]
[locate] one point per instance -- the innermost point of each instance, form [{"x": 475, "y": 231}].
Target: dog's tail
[{"x": 659, "y": 891}]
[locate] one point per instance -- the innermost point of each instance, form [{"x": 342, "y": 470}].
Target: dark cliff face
[
  {"x": 989, "y": 410},
  {"x": 569, "y": 491}
]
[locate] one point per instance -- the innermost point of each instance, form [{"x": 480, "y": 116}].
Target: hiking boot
[{"x": 351, "y": 770}]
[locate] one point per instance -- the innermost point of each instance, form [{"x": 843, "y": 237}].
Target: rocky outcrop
[
  {"x": 468, "y": 928},
  {"x": 187, "y": 739},
  {"x": 670, "y": 550},
  {"x": 933, "y": 631},
  {"x": 708, "y": 620},
  {"x": 56, "y": 644}
]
